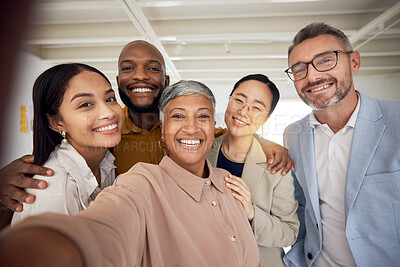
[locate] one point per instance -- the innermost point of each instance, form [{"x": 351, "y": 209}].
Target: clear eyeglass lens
[
  {"x": 239, "y": 102},
  {"x": 325, "y": 61},
  {"x": 321, "y": 62}
]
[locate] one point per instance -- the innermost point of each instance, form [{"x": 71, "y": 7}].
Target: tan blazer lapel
[
  {"x": 254, "y": 166},
  {"x": 212, "y": 154}
]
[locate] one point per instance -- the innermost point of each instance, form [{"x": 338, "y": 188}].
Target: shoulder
[
  {"x": 219, "y": 172},
  {"x": 140, "y": 176},
  {"x": 220, "y": 138},
  {"x": 389, "y": 108},
  {"x": 296, "y": 126},
  {"x": 273, "y": 179},
  {"x": 56, "y": 183},
  {"x": 293, "y": 131},
  {"x": 367, "y": 100},
  {"x": 381, "y": 111}
]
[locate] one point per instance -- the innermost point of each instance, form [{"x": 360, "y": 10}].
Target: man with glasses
[{"x": 347, "y": 159}]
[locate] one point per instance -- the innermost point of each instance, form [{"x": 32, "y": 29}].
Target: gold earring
[
  {"x": 163, "y": 146},
  {"x": 64, "y": 136}
]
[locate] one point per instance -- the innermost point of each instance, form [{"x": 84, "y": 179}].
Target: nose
[
  {"x": 106, "y": 112},
  {"x": 140, "y": 74},
  {"x": 191, "y": 125},
  {"x": 244, "y": 110},
  {"x": 312, "y": 74}
]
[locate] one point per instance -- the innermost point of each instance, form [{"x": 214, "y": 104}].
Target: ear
[
  {"x": 355, "y": 60},
  {"x": 166, "y": 80},
  {"x": 116, "y": 77},
  {"x": 54, "y": 123}
]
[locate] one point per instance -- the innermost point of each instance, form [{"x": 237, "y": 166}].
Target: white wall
[
  {"x": 16, "y": 143},
  {"x": 385, "y": 86}
]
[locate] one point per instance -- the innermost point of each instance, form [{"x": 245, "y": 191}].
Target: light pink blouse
[{"x": 161, "y": 215}]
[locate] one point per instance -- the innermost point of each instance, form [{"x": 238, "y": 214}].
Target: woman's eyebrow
[
  {"x": 81, "y": 95},
  {"x": 109, "y": 91}
]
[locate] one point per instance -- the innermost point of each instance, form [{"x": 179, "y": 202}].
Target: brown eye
[
  {"x": 111, "y": 99},
  {"x": 85, "y": 105}
]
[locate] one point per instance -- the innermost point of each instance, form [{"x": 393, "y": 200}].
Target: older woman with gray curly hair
[{"x": 177, "y": 213}]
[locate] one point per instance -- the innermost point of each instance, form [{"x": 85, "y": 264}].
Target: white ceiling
[{"x": 213, "y": 41}]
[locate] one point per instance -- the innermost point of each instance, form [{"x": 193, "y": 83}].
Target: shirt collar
[
  {"x": 106, "y": 166},
  {"x": 353, "y": 117},
  {"x": 193, "y": 185},
  {"x": 128, "y": 126},
  {"x": 350, "y": 123},
  {"x": 76, "y": 166}
]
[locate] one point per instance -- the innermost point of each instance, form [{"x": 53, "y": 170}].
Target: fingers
[
  {"x": 286, "y": 165},
  {"x": 27, "y": 168},
  {"x": 28, "y": 159},
  {"x": 280, "y": 161},
  {"x": 289, "y": 166},
  {"x": 242, "y": 193},
  {"x": 13, "y": 181},
  {"x": 14, "y": 197},
  {"x": 275, "y": 161},
  {"x": 13, "y": 193},
  {"x": 238, "y": 185},
  {"x": 12, "y": 204}
]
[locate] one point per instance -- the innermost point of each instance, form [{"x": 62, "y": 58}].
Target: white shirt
[
  {"x": 331, "y": 158},
  {"x": 72, "y": 187}
]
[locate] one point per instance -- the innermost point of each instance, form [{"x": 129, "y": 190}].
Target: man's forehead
[
  {"x": 310, "y": 48},
  {"x": 141, "y": 50}
]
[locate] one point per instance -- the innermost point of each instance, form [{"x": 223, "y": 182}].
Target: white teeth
[
  {"x": 238, "y": 121},
  {"x": 320, "y": 88},
  {"x": 190, "y": 142},
  {"x": 106, "y": 128},
  {"x": 141, "y": 90}
]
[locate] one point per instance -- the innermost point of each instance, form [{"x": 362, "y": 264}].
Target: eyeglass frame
[
  {"x": 249, "y": 105},
  {"x": 312, "y": 63}
]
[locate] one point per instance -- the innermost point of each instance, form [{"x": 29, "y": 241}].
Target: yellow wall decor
[{"x": 23, "y": 122}]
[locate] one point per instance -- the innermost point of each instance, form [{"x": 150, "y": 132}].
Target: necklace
[{"x": 229, "y": 158}]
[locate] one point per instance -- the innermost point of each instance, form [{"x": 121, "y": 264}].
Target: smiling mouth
[
  {"x": 190, "y": 143},
  {"x": 239, "y": 121},
  {"x": 319, "y": 88},
  {"x": 141, "y": 90},
  {"x": 107, "y": 128}
]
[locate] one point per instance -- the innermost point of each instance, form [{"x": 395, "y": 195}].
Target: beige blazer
[{"x": 275, "y": 224}]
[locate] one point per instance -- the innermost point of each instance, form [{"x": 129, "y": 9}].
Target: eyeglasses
[
  {"x": 238, "y": 102},
  {"x": 322, "y": 62}
]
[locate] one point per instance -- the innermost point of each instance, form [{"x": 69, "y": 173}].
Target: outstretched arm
[
  {"x": 14, "y": 178},
  {"x": 277, "y": 156},
  {"x": 40, "y": 247}
]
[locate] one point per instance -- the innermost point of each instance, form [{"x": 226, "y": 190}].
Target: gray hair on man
[
  {"x": 182, "y": 88},
  {"x": 316, "y": 29}
]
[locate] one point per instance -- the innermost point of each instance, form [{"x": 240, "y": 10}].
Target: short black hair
[{"x": 264, "y": 79}]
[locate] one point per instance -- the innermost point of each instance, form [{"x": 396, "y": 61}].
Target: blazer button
[{"x": 309, "y": 256}]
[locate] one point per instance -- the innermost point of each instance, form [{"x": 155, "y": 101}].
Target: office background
[{"x": 213, "y": 41}]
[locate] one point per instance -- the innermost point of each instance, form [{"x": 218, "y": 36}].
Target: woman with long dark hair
[{"x": 76, "y": 120}]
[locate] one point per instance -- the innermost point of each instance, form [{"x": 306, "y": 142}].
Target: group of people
[{"x": 186, "y": 198}]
